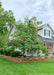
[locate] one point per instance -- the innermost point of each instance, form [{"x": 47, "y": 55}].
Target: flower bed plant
[
  {"x": 36, "y": 58},
  {"x": 42, "y": 58}
]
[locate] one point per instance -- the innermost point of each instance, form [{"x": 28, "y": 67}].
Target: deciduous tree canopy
[
  {"x": 6, "y": 20},
  {"x": 25, "y": 36}
]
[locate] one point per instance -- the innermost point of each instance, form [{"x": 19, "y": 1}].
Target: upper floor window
[{"x": 46, "y": 33}]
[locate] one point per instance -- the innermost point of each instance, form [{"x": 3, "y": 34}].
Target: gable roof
[{"x": 42, "y": 26}]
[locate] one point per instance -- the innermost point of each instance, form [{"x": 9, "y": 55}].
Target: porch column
[{"x": 53, "y": 47}]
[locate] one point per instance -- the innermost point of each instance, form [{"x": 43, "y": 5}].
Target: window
[
  {"x": 49, "y": 33},
  {"x": 46, "y": 33}
]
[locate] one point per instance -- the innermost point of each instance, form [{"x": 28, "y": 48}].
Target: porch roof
[{"x": 46, "y": 39}]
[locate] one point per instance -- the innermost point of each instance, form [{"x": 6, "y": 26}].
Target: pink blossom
[
  {"x": 6, "y": 39},
  {"x": 13, "y": 42},
  {"x": 2, "y": 40},
  {"x": 32, "y": 47},
  {"x": 32, "y": 42},
  {"x": 18, "y": 40},
  {"x": 24, "y": 48},
  {"x": 6, "y": 42},
  {"x": 29, "y": 47},
  {"x": 11, "y": 39},
  {"x": 21, "y": 40}
]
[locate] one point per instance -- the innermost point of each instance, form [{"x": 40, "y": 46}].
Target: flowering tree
[
  {"x": 6, "y": 21},
  {"x": 25, "y": 36}
]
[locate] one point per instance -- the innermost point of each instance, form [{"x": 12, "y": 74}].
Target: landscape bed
[{"x": 28, "y": 59}]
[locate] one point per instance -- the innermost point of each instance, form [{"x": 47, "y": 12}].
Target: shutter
[{"x": 44, "y": 32}]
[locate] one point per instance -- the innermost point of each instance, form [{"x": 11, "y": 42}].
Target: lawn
[{"x": 26, "y": 68}]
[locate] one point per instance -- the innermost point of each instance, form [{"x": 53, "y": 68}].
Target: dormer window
[{"x": 46, "y": 33}]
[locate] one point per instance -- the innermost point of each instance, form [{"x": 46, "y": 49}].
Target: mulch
[{"x": 26, "y": 59}]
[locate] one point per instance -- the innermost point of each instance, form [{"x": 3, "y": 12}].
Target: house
[{"x": 45, "y": 34}]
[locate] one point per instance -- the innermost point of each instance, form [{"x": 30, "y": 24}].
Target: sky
[{"x": 42, "y": 9}]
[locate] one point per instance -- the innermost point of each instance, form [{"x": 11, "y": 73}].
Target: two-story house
[{"x": 45, "y": 34}]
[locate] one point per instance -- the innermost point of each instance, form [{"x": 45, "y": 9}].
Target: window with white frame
[{"x": 46, "y": 33}]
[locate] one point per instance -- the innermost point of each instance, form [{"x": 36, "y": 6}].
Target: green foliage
[
  {"x": 44, "y": 49},
  {"x": 36, "y": 58},
  {"x": 1, "y": 51},
  {"x": 15, "y": 53},
  {"x": 2, "y": 44},
  {"x": 46, "y": 56},
  {"x": 25, "y": 36},
  {"x": 30, "y": 58},
  {"x": 6, "y": 20},
  {"x": 6, "y": 51},
  {"x": 42, "y": 58},
  {"x": 22, "y": 56},
  {"x": 51, "y": 56}
]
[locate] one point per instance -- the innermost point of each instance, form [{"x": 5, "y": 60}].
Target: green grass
[{"x": 26, "y": 68}]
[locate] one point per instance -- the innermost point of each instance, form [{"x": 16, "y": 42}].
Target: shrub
[
  {"x": 36, "y": 58},
  {"x": 30, "y": 58},
  {"x": 22, "y": 56},
  {"x": 45, "y": 50},
  {"x": 1, "y": 51},
  {"x": 8, "y": 51},
  {"x": 42, "y": 58},
  {"x": 46, "y": 56},
  {"x": 15, "y": 53},
  {"x": 51, "y": 56}
]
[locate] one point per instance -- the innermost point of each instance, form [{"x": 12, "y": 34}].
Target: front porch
[{"x": 51, "y": 44}]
